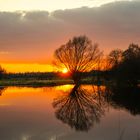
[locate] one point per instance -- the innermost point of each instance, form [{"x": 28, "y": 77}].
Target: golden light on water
[{"x": 64, "y": 88}]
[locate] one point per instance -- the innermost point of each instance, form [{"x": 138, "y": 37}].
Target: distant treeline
[
  {"x": 31, "y": 75},
  {"x": 43, "y": 75}
]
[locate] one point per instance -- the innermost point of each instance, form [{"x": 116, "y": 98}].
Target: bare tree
[
  {"x": 115, "y": 57},
  {"x": 77, "y": 55}
]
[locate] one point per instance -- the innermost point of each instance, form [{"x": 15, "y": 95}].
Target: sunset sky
[{"x": 31, "y": 30}]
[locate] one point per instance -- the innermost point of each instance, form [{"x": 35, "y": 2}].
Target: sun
[{"x": 65, "y": 70}]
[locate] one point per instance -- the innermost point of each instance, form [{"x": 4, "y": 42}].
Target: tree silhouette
[
  {"x": 133, "y": 52},
  {"x": 125, "y": 68},
  {"x": 79, "y": 108},
  {"x": 115, "y": 57},
  {"x": 129, "y": 68},
  {"x": 77, "y": 55},
  {"x": 2, "y": 71}
]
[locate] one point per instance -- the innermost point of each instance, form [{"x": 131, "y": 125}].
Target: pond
[{"x": 69, "y": 112}]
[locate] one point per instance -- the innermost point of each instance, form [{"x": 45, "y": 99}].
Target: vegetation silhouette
[
  {"x": 77, "y": 55},
  {"x": 79, "y": 108},
  {"x": 114, "y": 58},
  {"x": 125, "y": 68},
  {"x": 2, "y": 72},
  {"x": 85, "y": 64},
  {"x": 130, "y": 66}
]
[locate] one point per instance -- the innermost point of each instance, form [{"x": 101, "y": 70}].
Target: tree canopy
[
  {"x": 115, "y": 57},
  {"x": 77, "y": 55},
  {"x": 128, "y": 67}
]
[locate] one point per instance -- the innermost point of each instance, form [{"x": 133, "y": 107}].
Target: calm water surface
[{"x": 69, "y": 113}]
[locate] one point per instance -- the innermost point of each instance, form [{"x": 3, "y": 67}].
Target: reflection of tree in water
[
  {"x": 79, "y": 109},
  {"x": 126, "y": 97},
  {"x": 1, "y": 90},
  {"x": 103, "y": 95}
]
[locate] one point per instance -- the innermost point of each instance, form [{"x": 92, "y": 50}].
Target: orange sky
[
  {"x": 29, "y": 38},
  {"x": 15, "y": 68}
]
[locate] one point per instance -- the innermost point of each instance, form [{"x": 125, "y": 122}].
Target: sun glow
[{"x": 65, "y": 70}]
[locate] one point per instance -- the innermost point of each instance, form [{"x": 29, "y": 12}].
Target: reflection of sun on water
[{"x": 64, "y": 87}]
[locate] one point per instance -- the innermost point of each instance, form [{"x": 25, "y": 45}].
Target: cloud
[
  {"x": 33, "y": 36},
  {"x": 4, "y": 52}
]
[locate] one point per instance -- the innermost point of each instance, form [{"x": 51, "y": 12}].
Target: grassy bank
[
  {"x": 34, "y": 83},
  {"x": 54, "y": 79}
]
